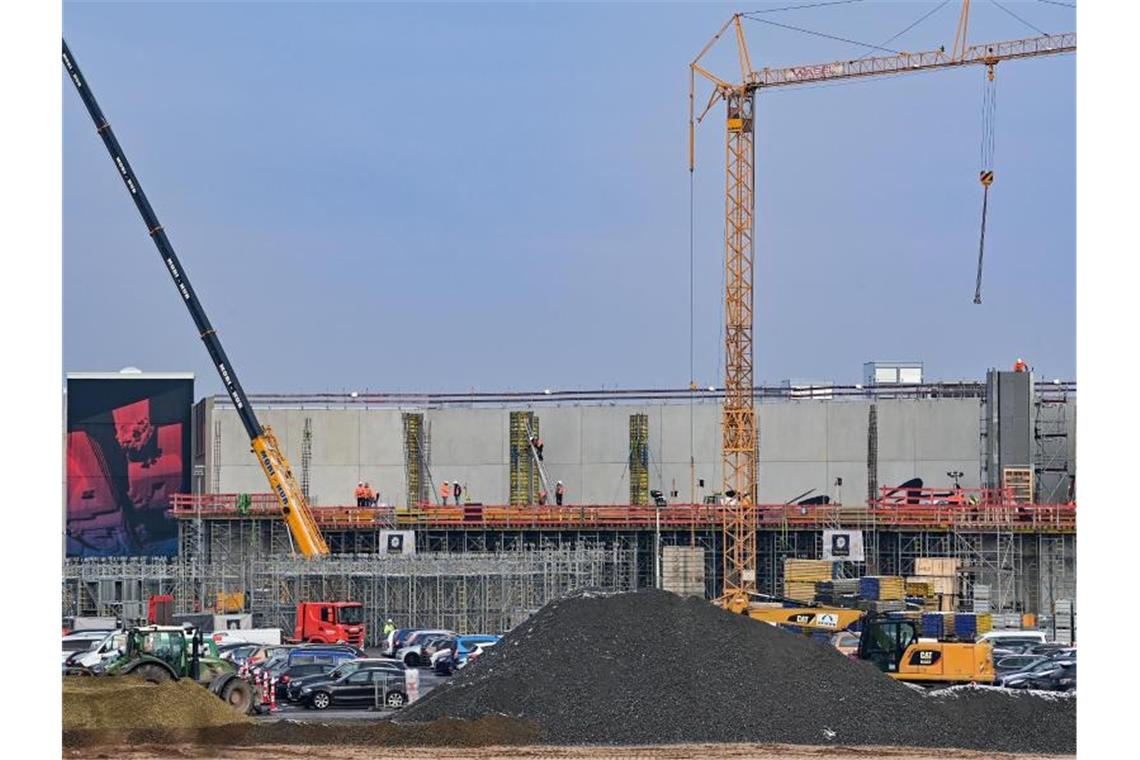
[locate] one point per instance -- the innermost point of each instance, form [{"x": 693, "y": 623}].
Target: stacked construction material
[
  {"x": 921, "y": 592},
  {"x": 969, "y": 625},
  {"x": 882, "y": 587},
  {"x": 942, "y": 573},
  {"x": 840, "y": 592},
  {"x": 919, "y": 588},
  {"x": 937, "y": 625},
  {"x": 800, "y": 591},
  {"x": 981, "y": 598},
  {"x": 880, "y": 606},
  {"x": 801, "y": 575}
]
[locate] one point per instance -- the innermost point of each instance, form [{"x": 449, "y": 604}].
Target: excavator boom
[{"x": 306, "y": 535}]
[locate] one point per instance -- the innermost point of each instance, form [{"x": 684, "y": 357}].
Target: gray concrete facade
[{"x": 804, "y": 444}]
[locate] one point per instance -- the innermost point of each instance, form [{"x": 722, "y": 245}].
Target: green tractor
[{"x": 160, "y": 653}]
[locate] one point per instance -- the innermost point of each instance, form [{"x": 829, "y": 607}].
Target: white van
[{"x": 997, "y": 638}]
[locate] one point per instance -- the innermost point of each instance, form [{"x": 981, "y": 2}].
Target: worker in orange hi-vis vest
[
  {"x": 444, "y": 492},
  {"x": 360, "y": 494},
  {"x": 1020, "y": 366},
  {"x": 369, "y": 496}
]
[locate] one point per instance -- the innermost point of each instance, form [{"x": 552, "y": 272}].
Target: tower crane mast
[{"x": 738, "y": 418}]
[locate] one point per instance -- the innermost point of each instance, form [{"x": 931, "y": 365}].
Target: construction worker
[
  {"x": 559, "y": 490},
  {"x": 542, "y": 497},
  {"x": 369, "y": 496},
  {"x": 444, "y": 492},
  {"x": 1020, "y": 366},
  {"x": 389, "y": 626},
  {"x": 537, "y": 443},
  {"x": 360, "y": 494},
  {"x": 458, "y": 491}
]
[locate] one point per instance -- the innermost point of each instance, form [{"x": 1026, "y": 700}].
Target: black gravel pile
[{"x": 654, "y": 668}]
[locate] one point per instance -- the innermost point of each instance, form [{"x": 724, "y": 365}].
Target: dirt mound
[
  {"x": 491, "y": 730},
  {"x": 134, "y": 704},
  {"x": 651, "y": 668}
]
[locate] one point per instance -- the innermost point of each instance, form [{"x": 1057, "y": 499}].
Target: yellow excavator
[
  {"x": 303, "y": 528},
  {"x": 892, "y": 643}
]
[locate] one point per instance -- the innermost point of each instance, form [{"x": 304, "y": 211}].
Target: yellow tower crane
[{"x": 738, "y": 419}]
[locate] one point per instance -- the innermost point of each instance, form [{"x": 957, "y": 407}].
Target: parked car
[
  {"x": 1024, "y": 679},
  {"x": 1049, "y": 648},
  {"x": 1063, "y": 677},
  {"x": 433, "y": 645},
  {"x": 474, "y": 654},
  {"x": 1016, "y": 662},
  {"x": 1001, "y": 639},
  {"x": 443, "y": 662},
  {"x": 100, "y": 653},
  {"x": 286, "y": 673},
  {"x": 293, "y": 693},
  {"x": 411, "y": 653},
  {"x": 1008, "y": 649},
  {"x": 396, "y": 640},
  {"x": 82, "y": 641},
  {"x": 267, "y": 652},
  {"x": 238, "y": 654},
  {"x": 361, "y": 688},
  {"x": 847, "y": 642}
]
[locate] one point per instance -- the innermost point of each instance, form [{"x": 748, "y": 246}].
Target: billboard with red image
[{"x": 128, "y": 451}]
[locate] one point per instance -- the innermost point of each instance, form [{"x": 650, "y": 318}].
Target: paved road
[{"x": 289, "y": 711}]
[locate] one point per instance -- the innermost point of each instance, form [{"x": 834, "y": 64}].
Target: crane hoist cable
[{"x": 986, "y": 175}]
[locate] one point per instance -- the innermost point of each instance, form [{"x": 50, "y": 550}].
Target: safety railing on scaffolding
[{"x": 908, "y": 511}]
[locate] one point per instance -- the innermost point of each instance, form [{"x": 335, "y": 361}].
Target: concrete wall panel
[
  {"x": 381, "y": 437},
  {"x": 804, "y": 444},
  {"x": 467, "y": 436},
  {"x": 793, "y": 432}
]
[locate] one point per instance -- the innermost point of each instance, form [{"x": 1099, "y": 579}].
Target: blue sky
[{"x": 454, "y": 197}]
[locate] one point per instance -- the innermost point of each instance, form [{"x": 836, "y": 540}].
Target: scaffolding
[
  {"x": 639, "y": 459},
  {"x": 1052, "y": 449},
  {"x": 473, "y": 592},
  {"x": 306, "y": 457},
  {"x": 524, "y": 475},
  {"x": 417, "y": 454}
]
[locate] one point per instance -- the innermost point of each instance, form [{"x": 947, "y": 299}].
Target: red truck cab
[{"x": 330, "y": 623}]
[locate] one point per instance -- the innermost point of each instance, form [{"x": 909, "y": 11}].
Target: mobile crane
[{"x": 306, "y": 536}]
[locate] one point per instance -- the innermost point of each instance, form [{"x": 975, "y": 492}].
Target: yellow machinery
[
  {"x": 303, "y": 529},
  {"x": 831, "y": 619},
  {"x": 893, "y": 645}
]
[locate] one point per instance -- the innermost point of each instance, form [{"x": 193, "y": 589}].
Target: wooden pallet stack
[
  {"x": 942, "y": 574},
  {"x": 801, "y": 575}
]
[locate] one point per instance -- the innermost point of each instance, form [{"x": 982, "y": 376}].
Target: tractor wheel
[
  {"x": 238, "y": 694},
  {"x": 151, "y": 672}
]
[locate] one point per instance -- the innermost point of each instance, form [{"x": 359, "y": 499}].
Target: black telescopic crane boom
[{"x": 166, "y": 250}]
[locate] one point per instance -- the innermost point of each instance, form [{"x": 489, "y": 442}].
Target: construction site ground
[{"x": 660, "y": 752}]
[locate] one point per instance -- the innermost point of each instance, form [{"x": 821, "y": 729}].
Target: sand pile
[
  {"x": 131, "y": 703},
  {"x": 651, "y": 667}
]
